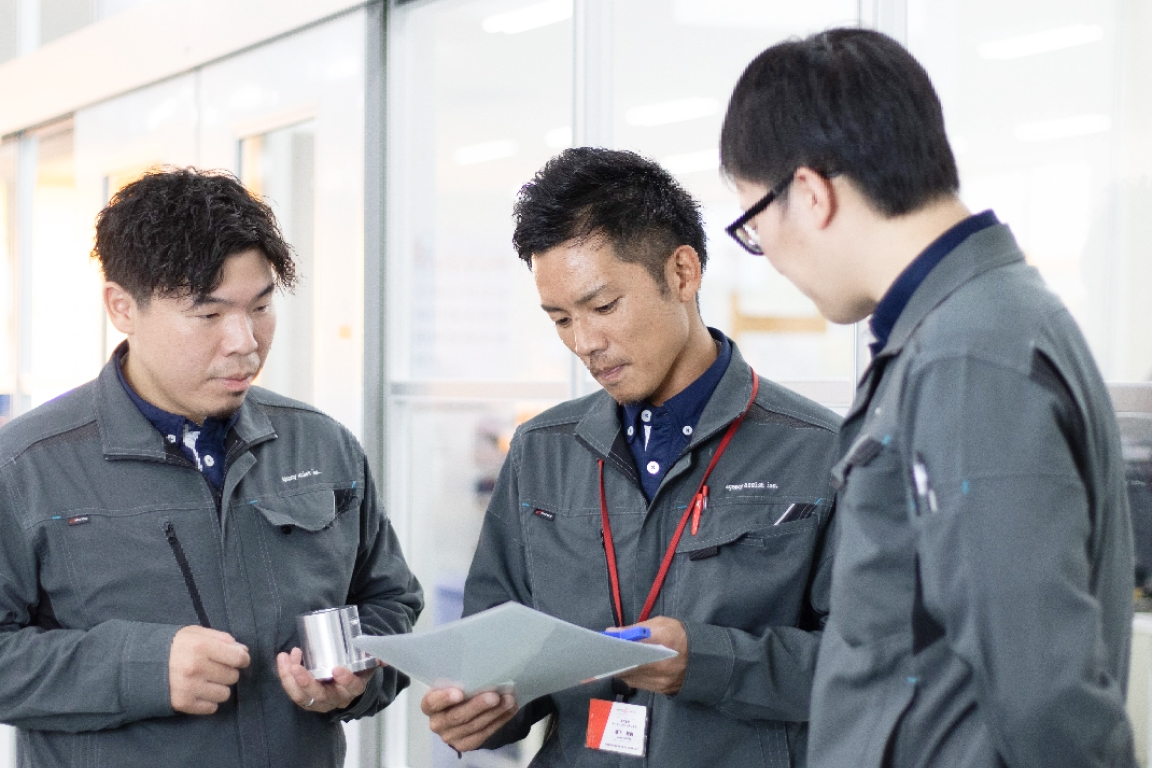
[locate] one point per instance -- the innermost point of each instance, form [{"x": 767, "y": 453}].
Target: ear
[
  {"x": 121, "y": 307},
  {"x": 683, "y": 272},
  {"x": 814, "y": 196}
]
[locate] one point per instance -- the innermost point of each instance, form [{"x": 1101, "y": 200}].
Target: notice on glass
[{"x": 510, "y": 648}]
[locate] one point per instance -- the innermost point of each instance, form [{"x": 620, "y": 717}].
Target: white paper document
[{"x": 510, "y": 648}]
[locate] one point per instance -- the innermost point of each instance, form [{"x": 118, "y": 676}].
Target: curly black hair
[
  {"x": 169, "y": 233},
  {"x": 636, "y": 205}
]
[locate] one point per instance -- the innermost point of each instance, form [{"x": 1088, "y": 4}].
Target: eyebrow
[
  {"x": 585, "y": 298},
  {"x": 210, "y": 299}
]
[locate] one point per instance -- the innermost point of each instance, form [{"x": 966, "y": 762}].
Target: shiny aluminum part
[{"x": 326, "y": 639}]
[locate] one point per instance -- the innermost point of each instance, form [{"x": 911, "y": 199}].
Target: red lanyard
[{"x": 698, "y": 505}]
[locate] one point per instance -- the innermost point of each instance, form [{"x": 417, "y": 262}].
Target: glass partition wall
[
  {"x": 674, "y": 64},
  {"x": 288, "y": 118},
  {"x": 9, "y": 305},
  {"x": 480, "y": 96},
  {"x": 1047, "y": 108}
]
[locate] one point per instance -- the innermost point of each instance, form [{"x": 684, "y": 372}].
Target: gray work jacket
[
  {"x": 752, "y": 596},
  {"x": 111, "y": 541},
  {"x": 982, "y": 598}
]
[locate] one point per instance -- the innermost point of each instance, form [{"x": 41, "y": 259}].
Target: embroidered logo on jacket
[
  {"x": 300, "y": 475},
  {"x": 732, "y": 488}
]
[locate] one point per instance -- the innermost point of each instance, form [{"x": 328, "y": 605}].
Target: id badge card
[{"x": 614, "y": 726}]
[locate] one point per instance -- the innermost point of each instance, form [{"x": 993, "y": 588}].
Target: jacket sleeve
[
  {"x": 499, "y": 575},
  {"x": 70, "y": 680},
  {"x": 1004, "y": 541},
  {"x": 768, "y": 676},
  {"x": 388, "y": 595}
]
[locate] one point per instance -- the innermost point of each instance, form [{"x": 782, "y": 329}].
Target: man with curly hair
[{"x": 162, "y": 526}]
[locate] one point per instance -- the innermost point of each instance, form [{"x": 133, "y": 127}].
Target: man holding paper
[{"x": 689, "y": 496}]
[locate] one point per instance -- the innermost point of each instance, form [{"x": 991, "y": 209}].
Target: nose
[
  {"x": 587, "y": 339},
  {"x": 239, "y": 335}
]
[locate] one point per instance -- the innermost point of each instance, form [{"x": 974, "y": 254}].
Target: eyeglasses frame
[{"x": 758, "y": 208}]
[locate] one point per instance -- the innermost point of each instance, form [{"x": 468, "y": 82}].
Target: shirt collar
[
  {"x": 686, "y": 406},
  {"x": 888, "y": 311}
]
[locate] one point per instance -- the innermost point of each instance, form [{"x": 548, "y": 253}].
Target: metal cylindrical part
[{"x": 326, "y": 639}]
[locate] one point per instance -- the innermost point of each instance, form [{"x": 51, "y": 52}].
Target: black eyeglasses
[{"x": 745, "y": 235}]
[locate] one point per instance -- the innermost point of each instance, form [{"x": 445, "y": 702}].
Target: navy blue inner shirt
[
  {"x": 658, "y": 434},
  {"x": 888, "y": 311},
  {"x": 204, "y": 445}
]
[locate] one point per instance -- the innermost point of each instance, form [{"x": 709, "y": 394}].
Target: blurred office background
[{"x": 391, "y": 138}]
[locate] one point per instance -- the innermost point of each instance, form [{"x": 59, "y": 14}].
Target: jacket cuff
[
  {"x": 711, "y": 659},
  {"x": 144, "y": 680}
]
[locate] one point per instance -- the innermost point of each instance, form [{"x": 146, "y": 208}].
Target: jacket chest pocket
[
  {"x": 103, "y": 565},
  {"x": 567, "y": 566},
  {"x": 310, "y": 542},
  {"x": 752, "y": 577},
  {"x": 875, "y": 564},
  {"x": 870, "y": 477}
]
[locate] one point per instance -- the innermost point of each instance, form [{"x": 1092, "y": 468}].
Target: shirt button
[
  {"x": 687, "y": 430},
  {"x": 646, "y": 416},
  {"x": 209, "y": 461},
  {"x": 171, "y": 438},
  {"x": 631, "y": 431},
  {"x": 653, "y": 467}
]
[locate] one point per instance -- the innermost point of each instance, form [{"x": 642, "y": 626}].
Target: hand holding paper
[
  {"x": 665, "y": 676},
  {"x": 465, "y": 724}
]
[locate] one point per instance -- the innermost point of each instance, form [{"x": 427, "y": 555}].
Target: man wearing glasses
[
  {"x": 982, "y": 597},
  {"x": 689, "y": 496}
]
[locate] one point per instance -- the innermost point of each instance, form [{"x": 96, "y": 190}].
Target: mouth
[
  {"x": 238, "y": 383},
  {"x": 609, "y": 374}
]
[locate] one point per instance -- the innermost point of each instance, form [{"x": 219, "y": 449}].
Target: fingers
[
  {"x": 467, "y": 711},
  {"x": 202, "y": 664},
  {"x": 666, "y": 676},
  {"x": 439, "y": 699},
  {"x": 667, "y": 632},
  {"x": 229, "y": 654},
  {"x": 316, "y": 695},
  {"x": 466, "y": 724},
  {"x": 212, "y": 644},
  {"x": 346, "y": 686},
  {"x": 288, "y": 682}
]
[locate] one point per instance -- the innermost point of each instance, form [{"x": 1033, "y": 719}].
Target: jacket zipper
[{"x": 186, "y": 570}]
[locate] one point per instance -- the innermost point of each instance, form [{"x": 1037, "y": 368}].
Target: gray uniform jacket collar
[
  {"x": 601, "y": 428},
  {"x": 983, "y": 251},
  {"x": 126, "y": 433}
]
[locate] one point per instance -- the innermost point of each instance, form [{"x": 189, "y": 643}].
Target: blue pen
[{"x": 629, "y": 633}]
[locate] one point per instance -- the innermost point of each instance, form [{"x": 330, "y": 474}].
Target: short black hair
[
  {"x": 850, "y": 101},
  {"x": 169, "y": 233},
  {"x": 630, "y": 201}
]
